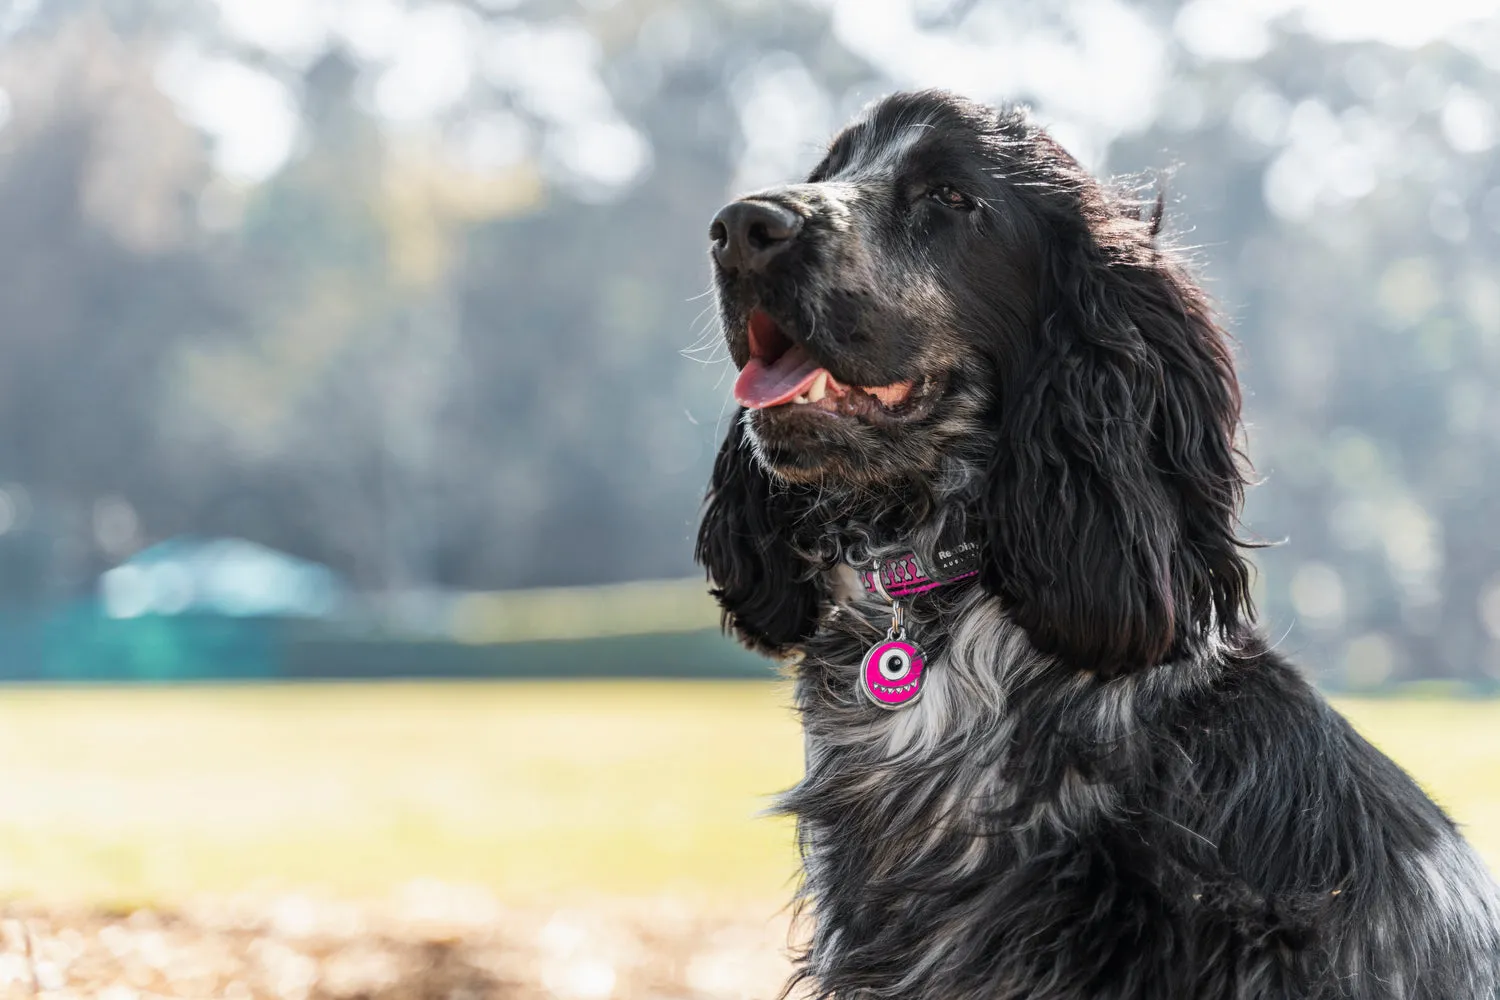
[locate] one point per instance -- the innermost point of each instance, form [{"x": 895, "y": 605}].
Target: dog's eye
[{"x": 950, "y": 197}]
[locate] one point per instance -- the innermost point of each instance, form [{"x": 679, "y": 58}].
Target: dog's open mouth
[{"x": 781, "y": 372}]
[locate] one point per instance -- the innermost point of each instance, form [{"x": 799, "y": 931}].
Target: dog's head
[{"x": 951, "y": 310}]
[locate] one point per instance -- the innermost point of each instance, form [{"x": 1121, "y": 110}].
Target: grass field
[{"x": 539, "y": 793}]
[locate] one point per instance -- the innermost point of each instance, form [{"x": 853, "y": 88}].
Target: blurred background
[{"x": 358, "y": 339}]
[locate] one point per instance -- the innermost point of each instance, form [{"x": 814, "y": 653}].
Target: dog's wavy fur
[{"x": 1111, "y": 787}]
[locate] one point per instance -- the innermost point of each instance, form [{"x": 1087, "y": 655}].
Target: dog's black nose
[{"x": 748, "y": 234}]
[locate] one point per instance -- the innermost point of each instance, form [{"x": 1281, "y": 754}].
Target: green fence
[
  {"x": 593, "y": 632},
  {"x": 79, "y": 643}
]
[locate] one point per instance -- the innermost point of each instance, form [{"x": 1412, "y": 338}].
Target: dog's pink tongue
[{"x": 761, "y": 385}]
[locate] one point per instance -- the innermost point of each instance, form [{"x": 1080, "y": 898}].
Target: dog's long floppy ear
[
  {"x": 744, "y": 542},
  {"x": 1113, "y": 495}
]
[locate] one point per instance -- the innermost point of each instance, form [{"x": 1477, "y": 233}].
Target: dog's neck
[{"x": 979, "y": 662}]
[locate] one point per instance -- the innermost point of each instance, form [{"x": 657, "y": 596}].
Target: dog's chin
[
  {"x": 866, "y": 444},
  {"x": 803, "y": 447}
]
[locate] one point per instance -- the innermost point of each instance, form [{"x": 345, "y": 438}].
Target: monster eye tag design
[{"x": 891, "y": 674}]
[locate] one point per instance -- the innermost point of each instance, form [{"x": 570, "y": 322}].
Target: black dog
[{"x": 982, "y": 493}]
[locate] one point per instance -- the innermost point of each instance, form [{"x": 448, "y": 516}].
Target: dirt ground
[{"x": 434, "y": 943}]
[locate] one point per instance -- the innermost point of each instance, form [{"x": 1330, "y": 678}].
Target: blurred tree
[
  {"x": 99, "y": 281},
  {"x": 404, "y": 287}
]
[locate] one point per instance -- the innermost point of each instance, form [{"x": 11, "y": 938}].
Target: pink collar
[{"x": 907, "y": 574}]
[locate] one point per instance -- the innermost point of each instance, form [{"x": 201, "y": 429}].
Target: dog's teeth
[
  {"x": 818, "y": 389},
  {"x": 800, "y": 399}
]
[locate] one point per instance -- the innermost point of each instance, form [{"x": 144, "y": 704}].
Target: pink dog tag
[{"x": 891, "y": 674}]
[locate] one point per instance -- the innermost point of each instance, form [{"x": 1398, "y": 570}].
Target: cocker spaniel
[{"x": 981, "y": 496}]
